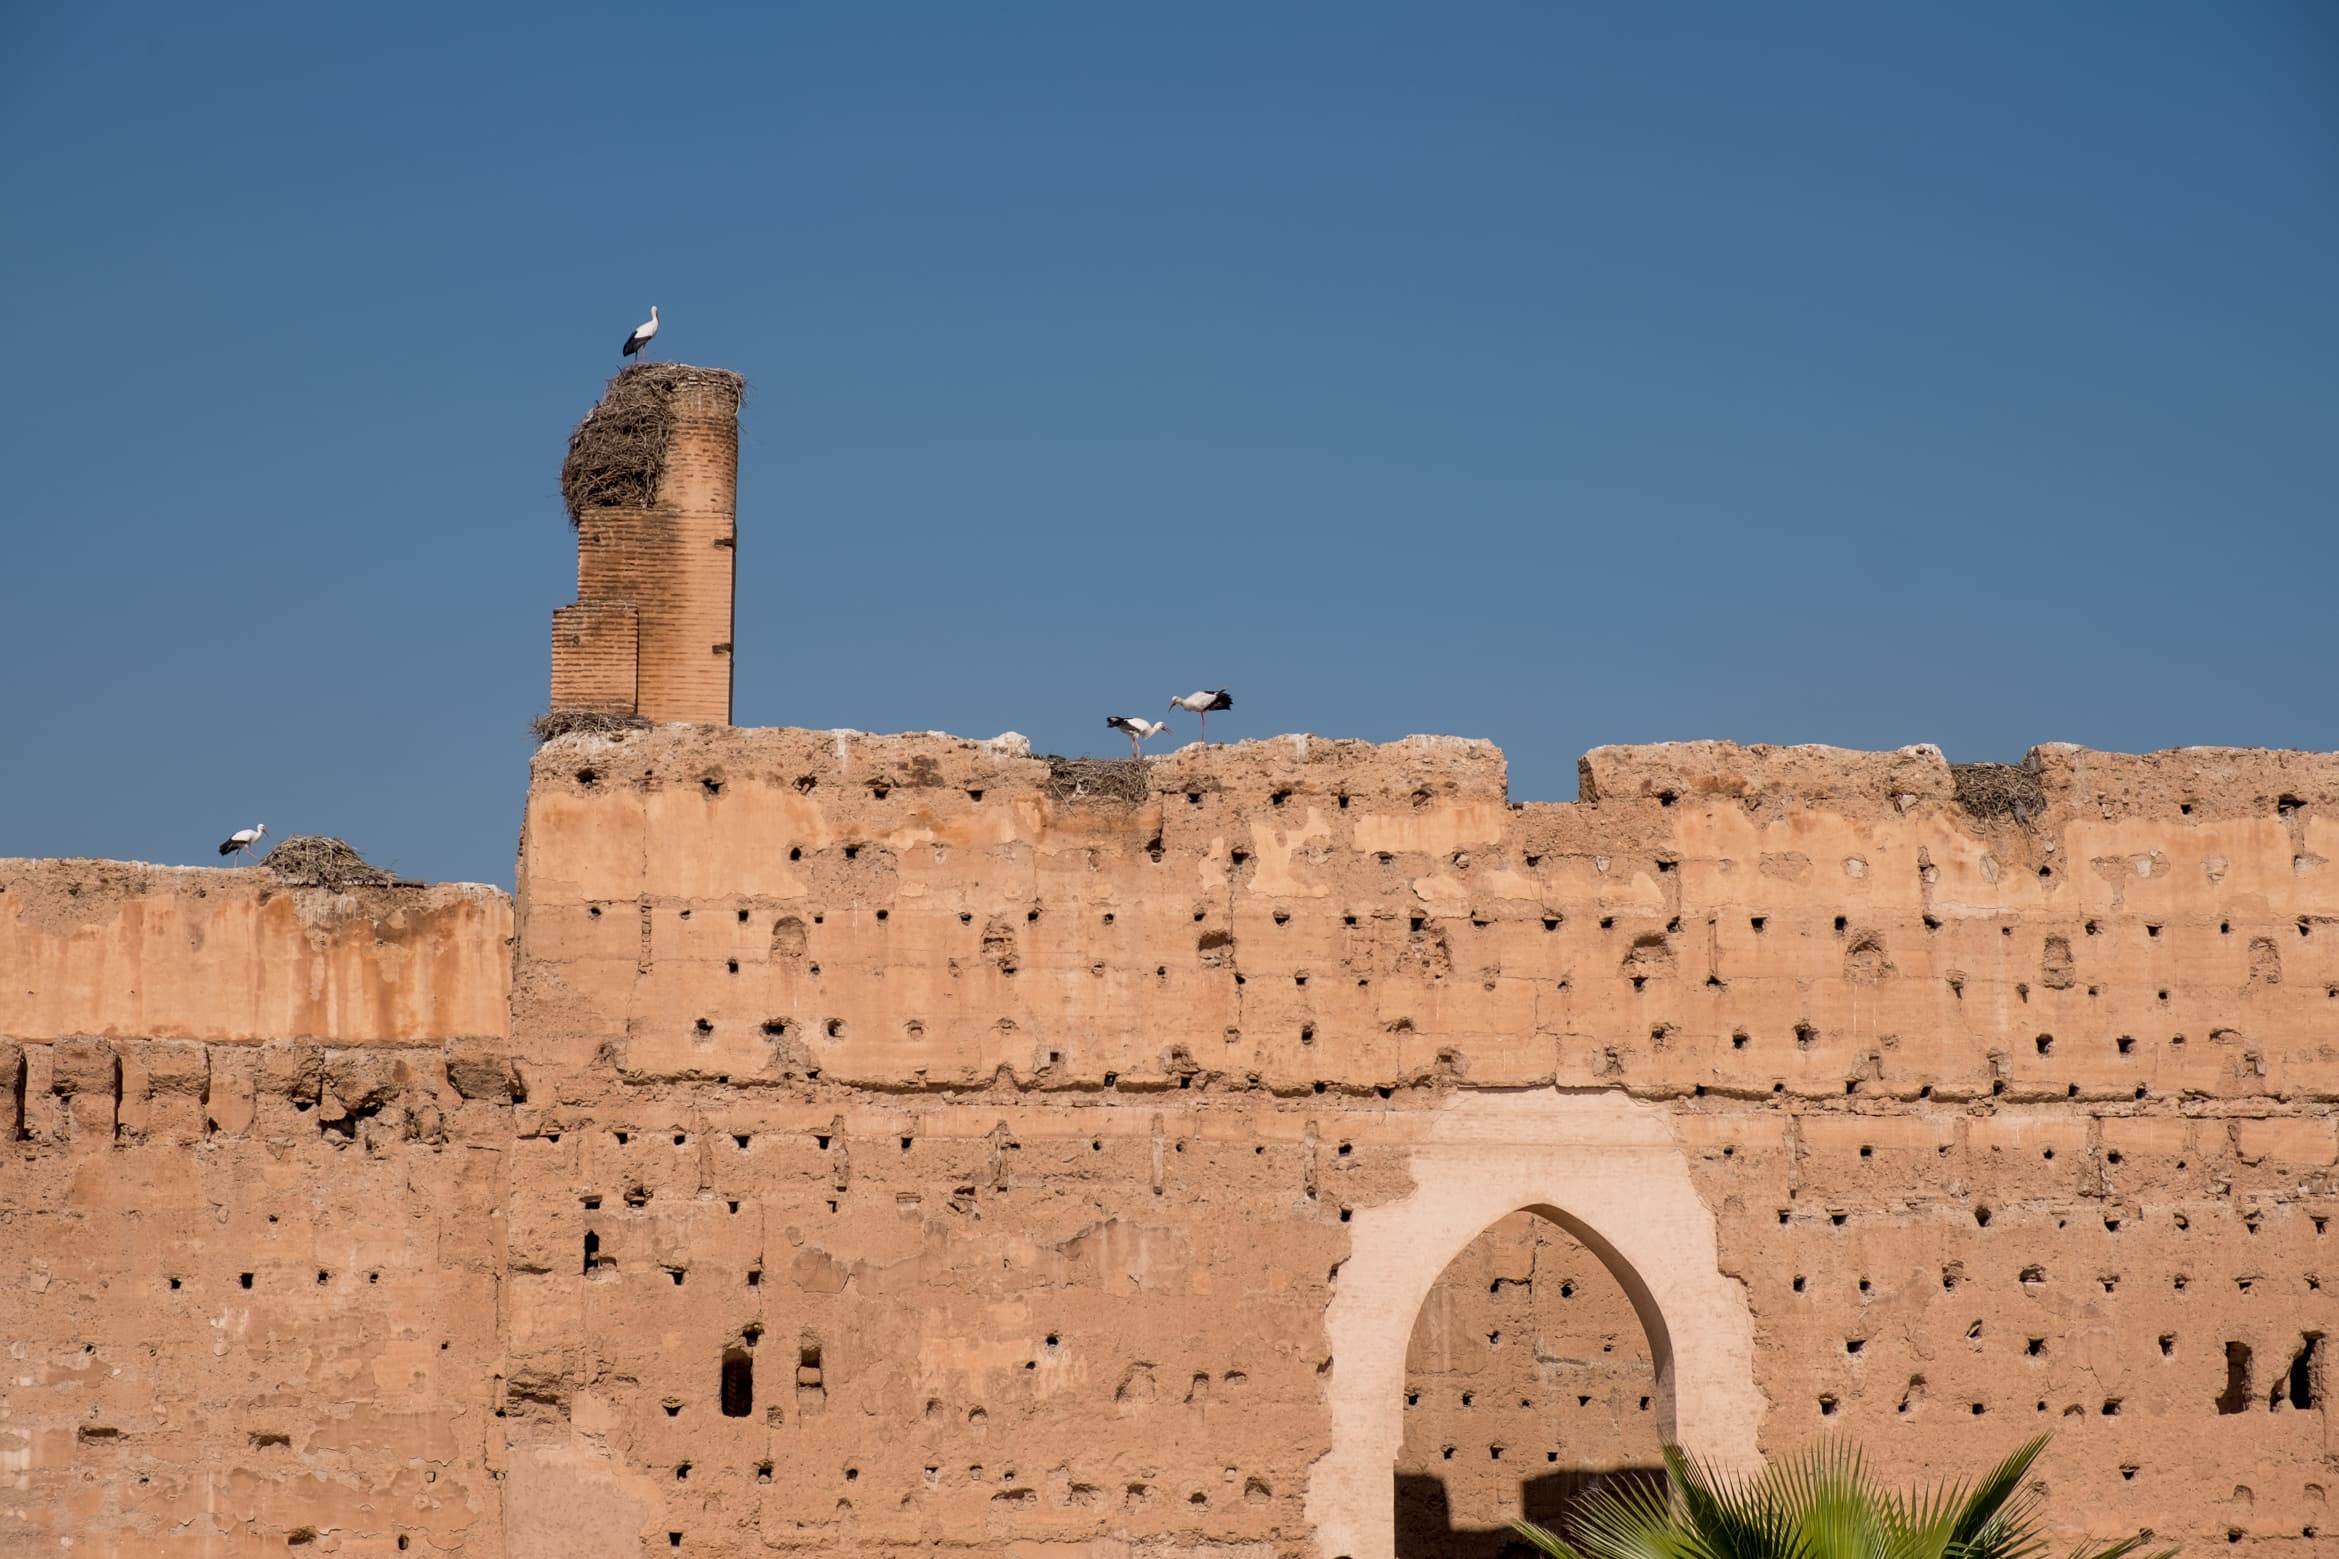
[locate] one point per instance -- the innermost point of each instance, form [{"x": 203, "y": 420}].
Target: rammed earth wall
[{"x": 894, "y": 1143}]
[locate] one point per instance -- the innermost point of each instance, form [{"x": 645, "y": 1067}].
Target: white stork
[
  {"x": 640, "y": 339},
  {"x": 1138, "y": 729},
  {"x": 1201, "y": 704},
  {"x": 243, "y": 839}
]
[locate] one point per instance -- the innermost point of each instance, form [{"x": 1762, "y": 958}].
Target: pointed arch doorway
[{"x": 1610, "y": 1172}]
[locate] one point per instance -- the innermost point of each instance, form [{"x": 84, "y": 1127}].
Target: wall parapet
[
  {"x": 1302, "y": 915},
  {"x": 121, "y": 950}
]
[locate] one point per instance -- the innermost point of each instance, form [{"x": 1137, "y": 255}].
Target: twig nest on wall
[{"x": 314, "y": 861}]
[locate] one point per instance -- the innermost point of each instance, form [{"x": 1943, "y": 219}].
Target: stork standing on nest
[
  {"x": 1201, "y": 704},
  {"x": 243, "y": 839},
  {"x": 1138, "y": 730},
  {"x": 639, "y": 341}
]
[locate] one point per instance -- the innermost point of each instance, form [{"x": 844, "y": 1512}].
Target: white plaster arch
[{"x": 1609, "y": 1170}]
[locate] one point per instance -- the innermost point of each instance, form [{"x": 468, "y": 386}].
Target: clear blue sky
[{"x": 1558, "y": 374}]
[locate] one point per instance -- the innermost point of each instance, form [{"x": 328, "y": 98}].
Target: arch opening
[
  {"x": 1532, "y": 1377},
  {"x": 1612, "y": 1172}
]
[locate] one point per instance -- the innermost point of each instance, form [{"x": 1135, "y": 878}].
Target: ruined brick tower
[{"x": 652, "y": 481}]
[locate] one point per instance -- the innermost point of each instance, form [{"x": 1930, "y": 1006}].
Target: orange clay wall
[
  {"x": 904, "y": 1141},
  {"x": 251, "y": 1141}
]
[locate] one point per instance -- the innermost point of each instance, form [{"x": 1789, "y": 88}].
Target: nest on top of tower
[{"x": 618, "y": 453}]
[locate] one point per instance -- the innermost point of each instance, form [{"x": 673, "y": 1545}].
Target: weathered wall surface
[
  {"x": 120, "y": 950},
  {"x": 911, "y": 1142},
  {"x": 251, "y": 1187},
  {"x": 1039, "y": 1116}
]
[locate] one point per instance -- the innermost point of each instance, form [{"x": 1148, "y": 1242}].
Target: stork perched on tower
[
  {"x": 1201, "y": 704},
  {"x": 1138, "y": 729},
  {"x": 639, "y": 341},
  {"x": 243, "y": 839}
]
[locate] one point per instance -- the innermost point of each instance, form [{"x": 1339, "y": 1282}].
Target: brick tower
[{"x": 652, "y": 482}]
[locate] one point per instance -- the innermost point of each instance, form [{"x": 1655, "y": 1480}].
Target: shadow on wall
[{"x": 1425, "y": 1518}]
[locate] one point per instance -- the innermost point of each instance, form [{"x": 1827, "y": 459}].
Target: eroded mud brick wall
[
  {"x": 923, "y": 1140},
  {"x": 902, "y": 1139},
  {"x": 252, "y": 1149}
]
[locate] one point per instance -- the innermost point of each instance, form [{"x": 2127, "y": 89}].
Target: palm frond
[
  {"x": 1545, "y": 1539},
  {"x": 1734, "y": 1518},
  {"x": 2123, "y": 1548},
  {"x": 1633, "y": 1521},
  {"x": 1817, "y": 1504},
  {"x": 1997, "y": 1518},
  {"x": 1828, "y": 1509}
]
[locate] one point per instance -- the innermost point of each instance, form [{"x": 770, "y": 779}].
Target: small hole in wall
[
  {"x": 1758, "y": 922},
  {"x": 244, "y": 1280},
  {"x": 795, "y": 852}
]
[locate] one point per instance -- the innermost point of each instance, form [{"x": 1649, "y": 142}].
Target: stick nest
[
  {"x": 1111, "y": 781},
  {"x": 618, "y": 453},
  {"x": 1999, "y": 790},
  {"x": 314, "y": 861},
  {"x": 585, "y": 722}
]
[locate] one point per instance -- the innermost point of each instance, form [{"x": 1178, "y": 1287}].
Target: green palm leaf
[{"x": 1817, "y": 1504}]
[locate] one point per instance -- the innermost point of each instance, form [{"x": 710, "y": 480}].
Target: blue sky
[{"x": 1558, "y": 374}]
